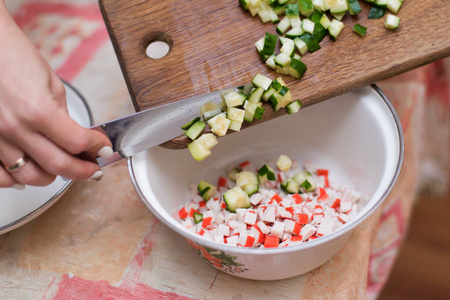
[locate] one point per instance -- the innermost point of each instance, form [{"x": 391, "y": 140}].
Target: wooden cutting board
[{"x": 212, "y": 48}]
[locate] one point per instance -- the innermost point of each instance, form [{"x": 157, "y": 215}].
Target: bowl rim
[
  {"x": 346, "y": 228},
  {"x": 38, "y": 211}
]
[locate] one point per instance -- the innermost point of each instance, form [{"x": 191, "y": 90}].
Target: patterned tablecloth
[{"x": 100, "y": 242}]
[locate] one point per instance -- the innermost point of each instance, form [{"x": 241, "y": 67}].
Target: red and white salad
[{"x": 271, "y": 206}]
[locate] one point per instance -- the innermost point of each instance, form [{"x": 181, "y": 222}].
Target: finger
[
  {"x": 72, "y": 137},
  {"x": 56, "y": 161},
  {"x": 6, "y": 180},
  {"x": 30, "y": 173}
]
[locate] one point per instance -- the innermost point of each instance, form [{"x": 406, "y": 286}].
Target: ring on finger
[{"x": 20, "y": 162}]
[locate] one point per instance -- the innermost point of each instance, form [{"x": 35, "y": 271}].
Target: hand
[{"x": 34, "y": 120}]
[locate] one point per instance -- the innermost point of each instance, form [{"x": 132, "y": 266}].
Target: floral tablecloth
[{"x": 100, "y": 242}]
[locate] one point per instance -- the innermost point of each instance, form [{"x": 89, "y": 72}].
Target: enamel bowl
[{"x": 357, "y": 136}]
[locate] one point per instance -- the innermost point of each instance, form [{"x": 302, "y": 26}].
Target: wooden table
[{"x": 212, "y": 48}]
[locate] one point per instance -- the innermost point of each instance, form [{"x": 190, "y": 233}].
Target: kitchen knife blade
[{"x": 145, "y": 129}]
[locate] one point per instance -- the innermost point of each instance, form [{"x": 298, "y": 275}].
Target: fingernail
[
  {"x": 106, "y": 152},
  {"x": 97, "y": 176},
  {"x": 19, "y": 186}
]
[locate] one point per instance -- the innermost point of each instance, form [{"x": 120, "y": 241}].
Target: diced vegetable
[
  {"x": 392, "y": 22},
  {"x": 284, "y": 163},
  {"x": 195, "y": 130},
  {"x": 293, "y": 107},
  {"x": 236, "y": 198},
  {"x": 359, "y": 29},
  {"x": 335, "y": 28},
  {"x": 190, "y": 123}
]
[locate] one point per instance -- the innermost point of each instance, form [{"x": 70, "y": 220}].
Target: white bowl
[{"x": 357, "y": 136}]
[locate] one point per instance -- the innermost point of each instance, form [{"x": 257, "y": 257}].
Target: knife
[{"x": 148, "y": 128}]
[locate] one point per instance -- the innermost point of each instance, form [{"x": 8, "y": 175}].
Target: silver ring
[{"x": 17, "y": 166}]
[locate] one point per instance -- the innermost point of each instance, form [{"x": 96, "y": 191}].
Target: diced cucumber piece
[
  {"x": 260, "y": 80},
  {"x": 287, "y": 98},
  {"x": 295, "y": 21},
  {"x": 259, "y": 45},
  {"x": 297, "y": 68},
  {"x": 284, "y": 163},
  {"x": 235, "y": 125},
  {"x": 235, "y": 114},
  {"x": 206, "y": 190},
  {"x": 274, "y": 17},
  {"x": 335, "y": 28},
  {"x": 283, "y": 26},
  {"x": 213, "y": 120},
  {"x": 259, "y": 111},
  {"x": 338, "y": 6},
  {"x": 244, "y": 4},
  {"x": 305, "y": 180},
  {"x": 195, "y": 130},
  {"x": 339, "y": 17},
  {"x": 308, "y": 25},
  {"x": 380, "y": 3},
  {"x": 207, "y": 140},
  {"x": 266, "y": 173},
  {"x": 270, "y": 62},
  {"x": 293, "y": 107},
  {"x": 319, "y": 32},
  {"x": 282, "y": 60},
  {"x": 301, "y": 46},
  {"x": 319, "y": 5},
  {"x": 209, "y": 110},
  {"x": 275, "y": 101},
  {"x": 292, "y": 10},
  {"x": 311, "y": 42},
  {"x": 190, "y": 123},
  {"x": 353, "y": 7},
  {"x": 246, "y": 177},
  {"x": 255, "y": 96},
  {"x": 359, "y": 29},
  {"x": 391, "y": 22},
  {"x": 236, "y": 198},
  {"x": 251, "y": 189},
  {"x": 268, "y": 93},
  {"x": 394, "y": 5},
  {"x": 324, "y": 21},
  {"x": 294, "y": 32},
  {"x": 276, "y": 84},
  {"x": 234, "y": 99},
  {"x": 288, "y": 48},
  {"x": 220, "y": 126},
  {"x": 306, "y": 7},
  {"x": 296, "y": 56},
  {"x": 198, "y": 217},
  {"x": 283, "y": 90},
  {"x": 198, "y": 151},
  {"x": 270, "y": 42},
  {"x": 248, "y": 117},
  {"x": 376, "y": 13},
  {"x": 247, "y": 89},
  {"x": 279, "y": 9},
  {"x": 291, "y": 186}
]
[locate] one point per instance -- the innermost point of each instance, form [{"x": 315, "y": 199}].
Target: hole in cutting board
[{"x": 156, "y": 45}]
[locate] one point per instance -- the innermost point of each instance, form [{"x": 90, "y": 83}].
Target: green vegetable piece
[
  {"x": 319, "y": 32},
  {"x": 311, "y": 42},
  {"x": 306, "y": 184},
  {"x": 376, "y": 13},
  {"x": 292, "y": 10},
  {"x": 259, "y": 112},
  {"x": 276, "y": 84},
  {"x": 283, "y": 90},
  {"x": 316, "y": 16},
  {"x": 299, "y": 67},
  {"x": 198, "y": 217},
  {"x": 353, "y": 6},
  {"x": 359, "y": 29},
  {"x": 190, "y": 123},
  {"x": 306, "y": 7},
  {"x": 270, "y": 42}
]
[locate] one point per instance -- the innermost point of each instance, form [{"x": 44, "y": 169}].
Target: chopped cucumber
[
  {"x": 305, "y": 180},
  {"x": 198, "y": 151},
  {"x": 209, "y": 110},
  {"x": 236, "y": 198},
  {"x": 306, "y": 7},
  {"x": 270, "y": 42},
  {"x": 195, "y": 130},
  {"x": 284, "y": 163},
  {"x": 353, "y": 7},
  {"x": 376, "y": 13},
  {"x": 297, "y": 68},
  {"x": 232, "y": 174},
  {"x": 293, "y": 107},
  {"x": 295, "y": 21},
  {"x": 394, "y": 5},
  {"x": 235, "y": 114},
  {"x": 292, "y": 10},
  {"x": 335, "y": 28},
  {"x": 220, "y": 126},
  {"x": 319, "y": 5},
  {"x": 359, "y": 29},
  {"x": 275, "y": 101},
  {"x": 282, "y": 60},
  {"x": 268, "y": 93},
  {"x": 260, "y": 80},
  {"x": 266, "y": 173},
  {"x": 198, "y": 217},
  {"x": 308, "y": 25},
  {"x": 270, "y": 62},
  {"x": 288, "y": 48},
  {"x": 234, "y": 99},
  {"x": 301, "y": 46},
  {"x": 255, "y": 96},
  {"x": 311, "y": 42},
  {"x": 290, "y": 186},
  {"x": 276, "y": 84},
  {"x": 207, "y": 140},
  {"x": 248, "y": 181},
  {"x": 190, "y": 123},
  {"x": 206, "y": 190},
  {"x": 324, "y": 21},
  {"x": 235, "y": 125},
  {"x": 391, "y": 22},
  {"x": 339, "y": 17},
  {"x": 283, "y": 26},
  {"x": 294, "y": 32},
  {"x": 338, "y": 6},
  {"x": 380, "y": 3},
  {"x": 259, "y": 111}
]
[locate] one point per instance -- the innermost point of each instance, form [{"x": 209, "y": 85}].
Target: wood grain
[{"x": 212, "y": 48}]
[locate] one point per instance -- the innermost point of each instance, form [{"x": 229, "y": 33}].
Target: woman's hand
[{"x": 38, "y": 139}]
